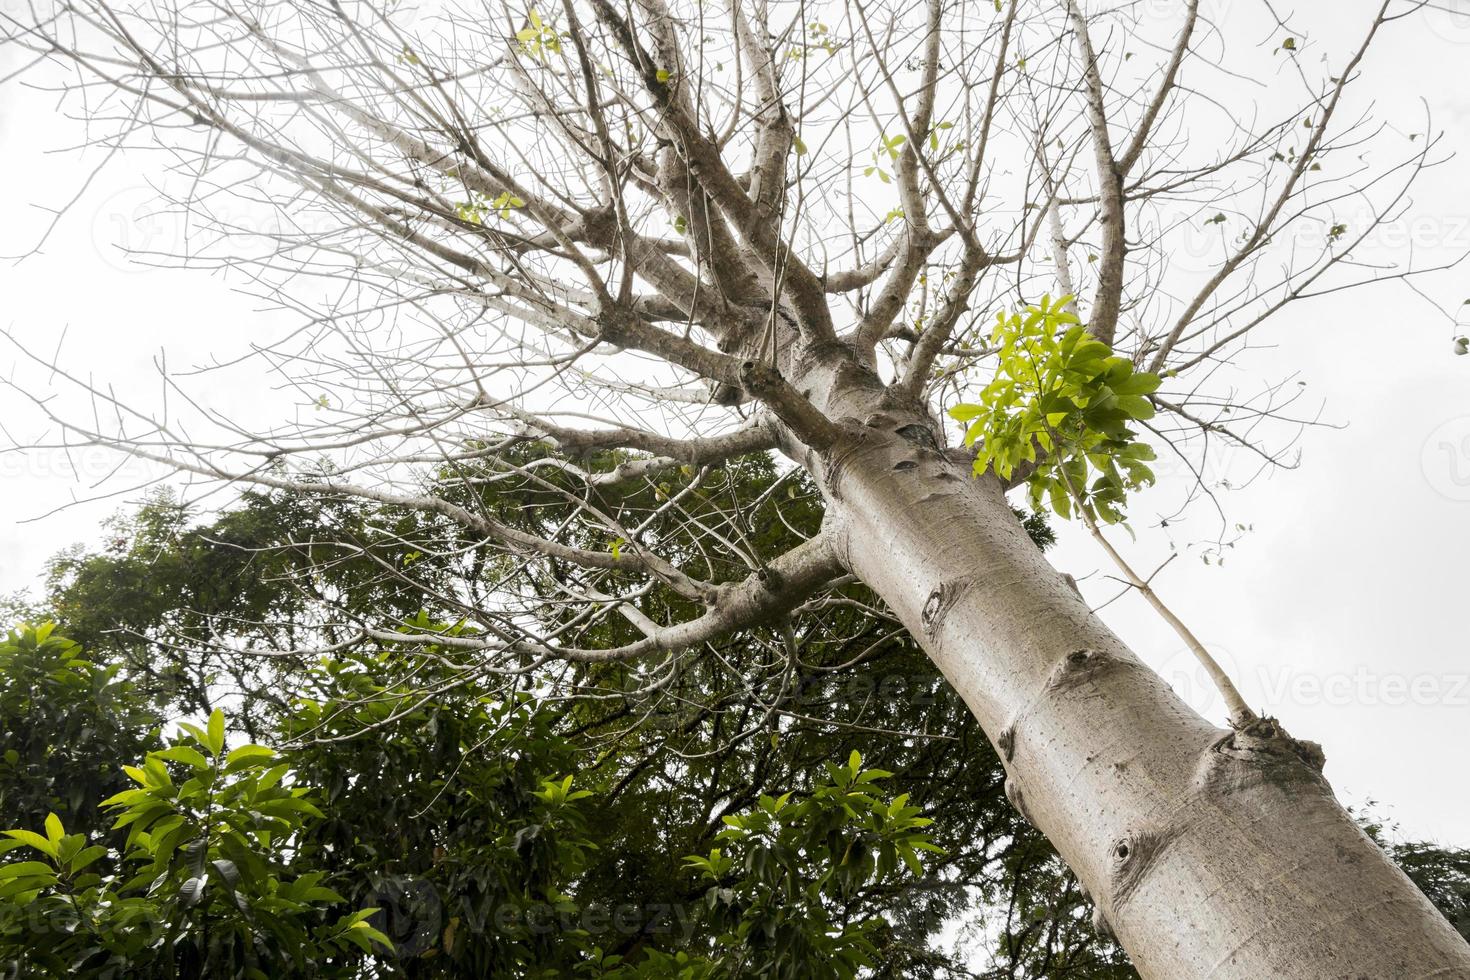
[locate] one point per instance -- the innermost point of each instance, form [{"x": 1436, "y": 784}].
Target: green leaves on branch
[
  {"x": 1062, "y": 403},
  {"x": 538, "y": 37},
  {"x": 819, "y": 37},
  {"x": 64, "y": 723},
  {"x": 460, "y": 816},
  {"x": 787, "y": 869},
  {"x": 205, "y": 859},
  {"x": 888, "y": 151},
  {"x": 934, "y": 134},
  {"x": 479, "y": 207}
]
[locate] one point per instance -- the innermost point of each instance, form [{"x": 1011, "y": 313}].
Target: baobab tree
[{"x": 689, "y": 232}]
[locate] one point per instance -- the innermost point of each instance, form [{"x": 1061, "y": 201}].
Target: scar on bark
[
  {"x": 920, "y": 435},
  {"x": 835, "y": 464},
  {"x": 1080, "y": 667},
  {"x": 1131, "y": 857},
  {"x": 1006, "y": 742},
  {"x": 1017, "y": 799},
  {"x": 940, "y": 602}
]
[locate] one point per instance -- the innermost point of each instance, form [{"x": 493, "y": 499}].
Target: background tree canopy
[{"x": 439, "y": 792}]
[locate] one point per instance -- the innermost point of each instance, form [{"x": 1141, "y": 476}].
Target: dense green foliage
[
  {"x": 69, "y": 724},
  {"x": 440, "y": 788},
  {"x": 203, "y": 875},
  {"x": 219, "y": 861},
  {"x": 674, "y": 752}
]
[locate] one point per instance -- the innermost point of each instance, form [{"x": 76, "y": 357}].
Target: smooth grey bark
[{"x": 1208, "y": 852}]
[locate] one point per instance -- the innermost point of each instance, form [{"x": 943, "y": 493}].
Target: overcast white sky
[{"x": 1344, "y": 610}]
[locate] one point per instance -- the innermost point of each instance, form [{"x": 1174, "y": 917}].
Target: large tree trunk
[{"x": 1209, "y": 853}]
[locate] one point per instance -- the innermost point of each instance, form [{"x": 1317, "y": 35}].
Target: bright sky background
[{"x": 1343, "y": 611}]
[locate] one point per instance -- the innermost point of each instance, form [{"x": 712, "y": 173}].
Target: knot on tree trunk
[
  {"x": 920, "y": 435},
  {"x": 1017, "y": 799},
  {"x": 614, "y": 325},
  {"x": 940, "y": 601},
  {"x": 1132, "y": 855},
  {"x": 771, "y": 579},
  {"x": 1258, "y": 753},
  {"x": 1006, "y": 743},
  {"x": 1082, "y": 667}
]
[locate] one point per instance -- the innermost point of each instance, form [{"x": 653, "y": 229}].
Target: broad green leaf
[
  {"x": 185, "y": 754},
  {"x": 33, "y": 839},
  {"x": 191, "y": 892},
  {"x": 87, "y": 857},
  {"x": 24, "y": 869},
  {"x": 248, "y": 756},
  {"x": 215, "y": 740}
]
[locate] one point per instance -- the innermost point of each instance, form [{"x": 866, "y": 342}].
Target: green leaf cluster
[
  {"x": 204, "y": 878},
  {"x": 890, "y": 148},
  {"x": 1062, "y": 404},
  {"x": 64, "y": 722},
  {"x": 790, "y": 868},
  {"x": 222, "y": 861},
  {"x": 538, "y": 38},
  {"x": 479, "y": 207}
]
